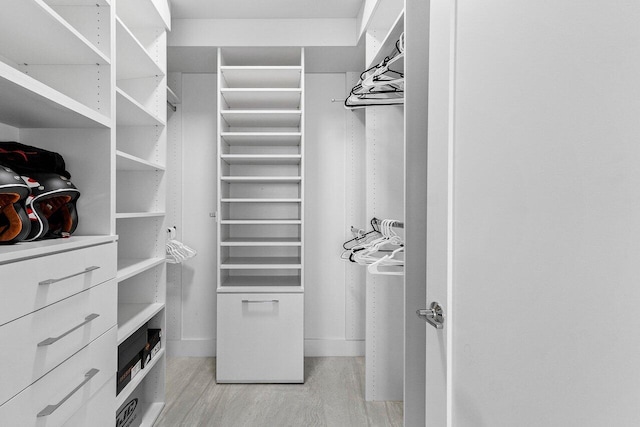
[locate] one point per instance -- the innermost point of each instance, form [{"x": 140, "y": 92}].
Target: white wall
[
  {"x": 192, "y": 288},
  {"x": 334, "y": 291}
]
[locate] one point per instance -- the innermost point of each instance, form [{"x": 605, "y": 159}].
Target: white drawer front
[
  {"x": 63, "y": 391},
  {"x": 34, "y": 283},
  {"x": 260, "y": 338},
  {"x": 99, "y": 411},
  {"x": 37, "y": 343}
]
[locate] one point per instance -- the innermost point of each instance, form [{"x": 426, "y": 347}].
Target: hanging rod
[{"x": 396, "y": 224}]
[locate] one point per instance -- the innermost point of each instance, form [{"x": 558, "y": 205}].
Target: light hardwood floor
[{"x": 332, "y": 396}]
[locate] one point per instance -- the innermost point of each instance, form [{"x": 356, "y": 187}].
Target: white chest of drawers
[{"x": 58, "y": 319}]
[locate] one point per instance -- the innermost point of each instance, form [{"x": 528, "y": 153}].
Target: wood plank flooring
[{"x": 332, "y": 396}]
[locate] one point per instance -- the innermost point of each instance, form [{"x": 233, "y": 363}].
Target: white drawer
[
  {"x": 99, "y": 411},
  {"x": 34, "y": 283},
  {"x": 63, "y": 391},
  {"x": 37, "y": 343},
  {"x": 260, "y": 338}
]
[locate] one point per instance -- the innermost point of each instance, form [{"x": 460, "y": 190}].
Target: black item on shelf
[
  {"x": 51, "y": 206},
  {"x": 14, "y": 221},
  {"x": 132, "y": 346},
  {"x": 130, "y": 357},
  {"x": 153, "y": 346},
  {"x": 128, "y": 372},
  {"x": 26, "y": 159}
]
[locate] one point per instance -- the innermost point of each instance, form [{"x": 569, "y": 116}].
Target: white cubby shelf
[
  {"x": 129, "y": 267},
  {"x": 132, "y": 316}
]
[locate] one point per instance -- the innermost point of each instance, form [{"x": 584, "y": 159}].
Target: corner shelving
[{"x": 141, "y": 117}]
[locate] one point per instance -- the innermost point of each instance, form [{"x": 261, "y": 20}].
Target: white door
[{"x": 533, "y": 225}]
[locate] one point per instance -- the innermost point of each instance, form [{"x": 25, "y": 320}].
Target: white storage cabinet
[{"x": 260, "y": 215}]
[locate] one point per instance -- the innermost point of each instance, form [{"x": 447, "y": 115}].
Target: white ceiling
[{"x": 264, "y": 9}]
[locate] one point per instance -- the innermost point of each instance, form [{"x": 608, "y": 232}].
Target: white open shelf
[
  {"x": 248, "y": 200},
  {"x": 131, "y": 215},
  {"x": 142, "y": 14},
  {"x": 262, "y": 118},
  {"x": 262, "y": 241},
  {"x": 127, "y": 162},
  {"x": 132, "y": 316},
  {"x": 46, "y": 39},
  {"x": 130, "y": 112},
  {"x": 265, "y": 179},
  {"x": 261, "y": 284},
  {"x": 172, "y": 97},
  {"x": 92, "y": 3},
  {"x": 260, "y": 221},
  {"x": 282, "y": 98},
  {"x": 389, "y": 41},
  {"x": 150, "y": 413},
  {"x": 261, "y": 263},
  {"x": 137, "y": 380},
  {"x": 129, "y": 267},
  {"x": 262, "y": 159},
  {"x": 261, "y": 76},
  {"x": 262, "y": 138},
  {"x": 27, "y": 103},
  {"x": 133, "y": 59}
]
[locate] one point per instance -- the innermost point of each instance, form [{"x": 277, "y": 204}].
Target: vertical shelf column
[
  {"x": 260, "y": 216},
  {"x": 141, "y": 140}
]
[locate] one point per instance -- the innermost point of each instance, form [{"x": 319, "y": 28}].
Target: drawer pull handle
[
  {"x": 263, "y": 301},
  {"x": 51, "y": 340},
  {"x": 85, "y": 271},
  {"x": 50, "y": 409}
]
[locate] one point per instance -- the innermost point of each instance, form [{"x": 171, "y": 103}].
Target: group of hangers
[
  {"x": 381, "y": 250},
  {"x": 380, "y": 84},
  {"x": 177, "y": 251}
]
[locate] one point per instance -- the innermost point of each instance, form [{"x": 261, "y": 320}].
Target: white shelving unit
[
  {"x": 88, "y": 81},
  {"x": 57, "y": 61},
  {"x": 140, "y": 158},
  {"x": 261, "y": 211}
]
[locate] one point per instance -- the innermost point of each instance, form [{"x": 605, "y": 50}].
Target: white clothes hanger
[{"x": 176, "y": 251}]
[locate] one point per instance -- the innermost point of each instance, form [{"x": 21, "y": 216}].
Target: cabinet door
[{"x": 260, "y": 338}]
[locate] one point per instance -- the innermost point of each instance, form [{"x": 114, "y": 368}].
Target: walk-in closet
[{"x": 334, "y": 213}]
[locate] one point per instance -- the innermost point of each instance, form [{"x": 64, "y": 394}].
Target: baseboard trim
[
  {"x": 191, "y": 348},
  {"x": 312, "y": 348},
  {"x": 333, "y": 348}
]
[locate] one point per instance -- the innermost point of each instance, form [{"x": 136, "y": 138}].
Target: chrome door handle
[
  {"x": 51, "y": 340},
  {"x": 85, "y": 271},
  {"x": 50, "y": 409},
  {"x": 433, "y": 315}
]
